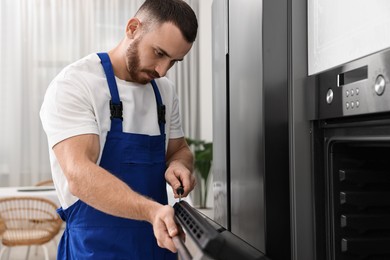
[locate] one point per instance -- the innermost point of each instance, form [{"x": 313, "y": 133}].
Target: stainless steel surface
[
  {"x": 246, "y": 121},
  {"x": 221, "y": 185},
  {"x": 366, "y": 95},
  {"x": 262, "y": 178},
  {"x": 300, "y": 130}
]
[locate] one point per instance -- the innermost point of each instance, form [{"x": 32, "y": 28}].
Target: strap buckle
[
  {"x": 116, "y": 110},
  {"x": 161, "y": 114}
]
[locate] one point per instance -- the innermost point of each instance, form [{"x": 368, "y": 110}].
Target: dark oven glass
[{"x": 352, "y": 183}]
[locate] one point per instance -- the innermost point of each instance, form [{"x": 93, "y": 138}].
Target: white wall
[
  {"x": 342, "y": 31},
  {"x": 205, "y": 68}
]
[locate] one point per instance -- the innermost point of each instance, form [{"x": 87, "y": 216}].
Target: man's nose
[{"x": 162, "y": 68}]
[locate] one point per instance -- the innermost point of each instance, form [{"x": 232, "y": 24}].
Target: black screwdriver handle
[{"x": 180, "y": 190}]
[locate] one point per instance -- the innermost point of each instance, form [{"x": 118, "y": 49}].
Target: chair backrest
[
  {"x": 29, "y": 213},
  {"x": 48, "y": 182},
  {"x": 2, "y": 226}
]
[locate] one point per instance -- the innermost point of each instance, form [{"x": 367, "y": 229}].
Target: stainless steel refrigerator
[{"x": 261, "y": 174}]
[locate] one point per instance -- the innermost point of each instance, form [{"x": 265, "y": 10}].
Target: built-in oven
[{"x": 351, "y": 160}]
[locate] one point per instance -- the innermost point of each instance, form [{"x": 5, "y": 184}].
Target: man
[{"x": 115, "y": 138}]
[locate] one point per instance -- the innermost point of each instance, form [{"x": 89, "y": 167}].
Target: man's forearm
[
  {"x": 183, "y": 156},
  {"x": 103, "y": 191}
]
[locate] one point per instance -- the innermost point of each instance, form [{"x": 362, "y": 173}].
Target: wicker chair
[
  {"x": 48, "y": 182},
  {"x": 2, "y": 227},
  {"x": 28, "y": 221}
]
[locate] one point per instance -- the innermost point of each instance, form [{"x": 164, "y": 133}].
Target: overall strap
[
  {"x": 160, "y": 108},
  {"x": 116, "y": 107}
]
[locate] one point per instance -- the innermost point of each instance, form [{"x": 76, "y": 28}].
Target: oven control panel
[{"x": 357, "y": 88}]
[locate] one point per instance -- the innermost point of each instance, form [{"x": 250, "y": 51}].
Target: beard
[{"x": 133, "y": 64}]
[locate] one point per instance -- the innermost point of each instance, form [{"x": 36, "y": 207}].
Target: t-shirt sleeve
[
  {"x": 67, "y": 110},
  {"x": 176, "y": 130}
]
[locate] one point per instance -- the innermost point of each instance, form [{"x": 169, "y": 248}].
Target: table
[{"x": 47, "y": 192}]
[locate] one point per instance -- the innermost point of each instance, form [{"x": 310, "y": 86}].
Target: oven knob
[
  {"x": 380, "y": 85},
  {"x": 329, "y": 96}
]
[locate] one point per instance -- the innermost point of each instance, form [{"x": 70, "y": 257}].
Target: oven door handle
[{"x": 181, "y": 248}]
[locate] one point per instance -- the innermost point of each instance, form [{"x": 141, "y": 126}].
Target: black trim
[{"x": 116, "y": 110}]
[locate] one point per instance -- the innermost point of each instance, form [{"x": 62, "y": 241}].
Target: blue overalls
[{"x": 139, "y": 161}]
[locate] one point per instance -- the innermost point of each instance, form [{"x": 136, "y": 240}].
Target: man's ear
[{"x": 133, "y": 26}]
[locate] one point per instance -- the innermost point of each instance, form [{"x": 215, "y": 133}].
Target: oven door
[
  {"x": 354, "y": 221},
  {"x": 208, "y": 240}
]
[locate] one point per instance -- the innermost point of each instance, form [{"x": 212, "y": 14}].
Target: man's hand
[
  {"x": 180, "y": 162},
  {"x": 178, "y": 175},
  {"x": 164, "y": 227}
]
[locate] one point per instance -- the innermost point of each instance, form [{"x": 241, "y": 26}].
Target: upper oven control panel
[{"x": 359, "y": 87}]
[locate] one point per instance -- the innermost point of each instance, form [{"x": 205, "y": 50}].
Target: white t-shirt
[{"x": 77, "y": 102}]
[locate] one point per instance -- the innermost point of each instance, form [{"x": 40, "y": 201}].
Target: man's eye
[{"x": 159, "y": 53}]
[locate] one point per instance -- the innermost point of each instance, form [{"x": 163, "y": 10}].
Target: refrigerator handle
[{"x": 226, "y": 25}]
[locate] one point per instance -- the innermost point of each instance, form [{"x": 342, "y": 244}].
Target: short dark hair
[{"x": 177, "y": 12}]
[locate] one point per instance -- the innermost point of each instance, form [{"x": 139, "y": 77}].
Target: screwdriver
[{"x": 180, "y": 191}]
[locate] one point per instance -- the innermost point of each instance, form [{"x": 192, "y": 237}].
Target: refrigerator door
[
  {"x": 221, "y": 185},
  {"x": 246, "y": 121}
]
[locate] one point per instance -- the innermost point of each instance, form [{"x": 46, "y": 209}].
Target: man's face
[
  {"x": 133, "y": 64},
  {"x": 152, "y": 54}
]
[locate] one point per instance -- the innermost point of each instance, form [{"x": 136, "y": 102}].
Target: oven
[{"x": 351, "y": 160}]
